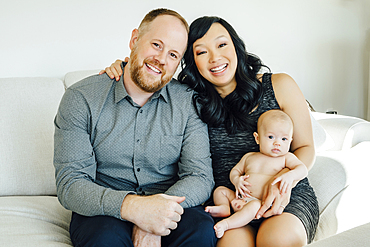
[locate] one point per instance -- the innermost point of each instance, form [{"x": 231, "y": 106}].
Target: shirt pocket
[{"x": 170, "y": 150}]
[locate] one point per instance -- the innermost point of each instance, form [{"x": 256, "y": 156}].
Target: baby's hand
[
  {"x": 286, "y": 182},
  {"x": 241, "y": 187}
]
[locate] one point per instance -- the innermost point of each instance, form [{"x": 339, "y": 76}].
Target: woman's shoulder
[{"x": 283, "y": 84}]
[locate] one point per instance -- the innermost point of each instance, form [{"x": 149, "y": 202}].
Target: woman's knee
[{"x": 282, "y": 230}]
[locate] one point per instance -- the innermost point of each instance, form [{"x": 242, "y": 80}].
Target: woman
[{"x": 231, "y": 95}]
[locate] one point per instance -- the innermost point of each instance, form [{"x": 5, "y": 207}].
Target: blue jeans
[{"x": 194, "y": 229}]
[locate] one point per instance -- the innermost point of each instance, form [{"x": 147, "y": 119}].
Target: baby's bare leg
[
  {"x": 238, "y": 219},
  {"x": 222, "y": 197}
]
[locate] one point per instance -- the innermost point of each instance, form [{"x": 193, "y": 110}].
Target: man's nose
[{"x": 160, "y": 57}]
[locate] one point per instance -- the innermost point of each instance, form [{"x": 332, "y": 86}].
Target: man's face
[{"x": 157, "y": 52}]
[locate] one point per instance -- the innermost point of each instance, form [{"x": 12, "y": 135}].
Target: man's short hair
[{"x": 158, "y": 12}]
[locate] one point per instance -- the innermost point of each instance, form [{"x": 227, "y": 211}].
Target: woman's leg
[
  {"x": 240, "y": 237},
  {"x": 281, "y": 230}
]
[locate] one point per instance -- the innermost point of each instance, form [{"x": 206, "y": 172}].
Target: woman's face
[{"x": 216, "y": 59}]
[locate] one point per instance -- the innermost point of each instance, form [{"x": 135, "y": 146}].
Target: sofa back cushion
[{"x": 27, "y": 110}]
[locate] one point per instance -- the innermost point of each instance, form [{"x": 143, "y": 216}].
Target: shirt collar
[{"x": 121, "y": 93}]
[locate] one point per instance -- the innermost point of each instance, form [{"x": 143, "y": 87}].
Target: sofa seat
[
  {"x": 31, "y": 214},
  {"x": 33, "y": 221}
]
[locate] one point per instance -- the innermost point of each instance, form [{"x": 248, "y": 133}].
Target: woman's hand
[
  {"x": 274, "y": 202},
  {"x": 115, "y": 70}
]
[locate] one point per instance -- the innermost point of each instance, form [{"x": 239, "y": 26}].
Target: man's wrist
[{"x": 127, "y": 205}]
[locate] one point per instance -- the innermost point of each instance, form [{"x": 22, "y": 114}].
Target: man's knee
[
  {"x": 196, "y": 228},
  {"x": 100, "y": 231}
]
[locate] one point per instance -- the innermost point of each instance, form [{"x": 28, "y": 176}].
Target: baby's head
[{"x": 274, "y": 133}]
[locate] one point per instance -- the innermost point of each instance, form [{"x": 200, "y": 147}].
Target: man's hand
[
  {"x": 142, "y": 238},
  {"x": 157, "y": 214}
]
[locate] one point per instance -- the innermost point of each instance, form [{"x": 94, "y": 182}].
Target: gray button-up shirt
[{"x": 107, "y": 146}]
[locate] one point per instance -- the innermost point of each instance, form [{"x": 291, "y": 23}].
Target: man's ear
[
  {"x": 134, "y": 38},
  {"x": 255, "y": 134}
]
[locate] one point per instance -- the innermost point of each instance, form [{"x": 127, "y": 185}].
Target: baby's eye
[
  {"x": 271, "y": 137},
  {"x": 285, "y": 139}
]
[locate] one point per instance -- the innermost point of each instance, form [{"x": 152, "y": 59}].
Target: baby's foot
[
  {"x": 218, "y": 211},
  {"x": 220, "y": 228}
]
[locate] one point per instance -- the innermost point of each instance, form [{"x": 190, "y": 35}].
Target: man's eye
[
  {"x": 156, "y": 45},
  {"x": 173, "y": 55}
]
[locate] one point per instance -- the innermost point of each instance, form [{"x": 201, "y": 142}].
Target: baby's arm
[
  {"x": 297, "y": 172},
  {"x": 238, "y": 176}
]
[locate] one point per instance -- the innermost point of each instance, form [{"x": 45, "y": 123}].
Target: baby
[{"x": 255, "y": 170}]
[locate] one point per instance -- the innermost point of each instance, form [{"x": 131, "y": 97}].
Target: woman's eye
[
  {"x": 222, "y": 45},
  {"x": 200, "y": 53}
]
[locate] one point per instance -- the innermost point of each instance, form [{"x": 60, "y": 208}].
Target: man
[{"x": 131, "y": 157}]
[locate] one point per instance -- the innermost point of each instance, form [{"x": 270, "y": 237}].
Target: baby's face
[
  {"x": 237, "y": 204},
  {"x": 275, "y": 139}
]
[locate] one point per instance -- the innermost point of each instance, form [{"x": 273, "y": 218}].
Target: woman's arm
[{"x": 292, "y": 102}]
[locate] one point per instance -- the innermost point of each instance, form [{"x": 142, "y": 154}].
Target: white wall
[{"x": 323, "y": 44}]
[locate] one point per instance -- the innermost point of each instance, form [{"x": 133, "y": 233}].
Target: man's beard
[{"x": 146, "y": 82}]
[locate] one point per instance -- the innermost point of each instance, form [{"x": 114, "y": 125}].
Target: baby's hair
[{"x": 276, "y": 115}]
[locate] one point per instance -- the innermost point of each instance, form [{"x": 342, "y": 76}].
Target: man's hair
[{"x": 158, "y": 12}]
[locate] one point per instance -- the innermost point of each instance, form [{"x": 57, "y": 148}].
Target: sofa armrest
[
  {"x": 345, "y": 131},
  {"x": 328, "y": 179}
]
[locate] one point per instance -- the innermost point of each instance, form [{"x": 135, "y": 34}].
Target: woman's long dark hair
[{"x": 233, "y": 110}]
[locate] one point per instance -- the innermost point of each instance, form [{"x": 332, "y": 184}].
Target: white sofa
[{"x": 30, "y": 214}]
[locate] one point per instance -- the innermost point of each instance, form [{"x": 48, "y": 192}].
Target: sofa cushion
[
  {"x": 323, "y": 141},
  {"x": 33, "y": 221},
  {"x": 75, "y": 76},
  {"x": 27, "y": 110},
  {"x": 328, "y": 179},
  {"x": 358, "y": 236}
]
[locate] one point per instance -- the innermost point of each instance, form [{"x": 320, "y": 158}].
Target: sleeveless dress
[{"x": 228, "y": 149}]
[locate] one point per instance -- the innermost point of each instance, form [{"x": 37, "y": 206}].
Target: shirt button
[
  {"x": 138, "y": 169},
  {"x": 141, "y": 111}
]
